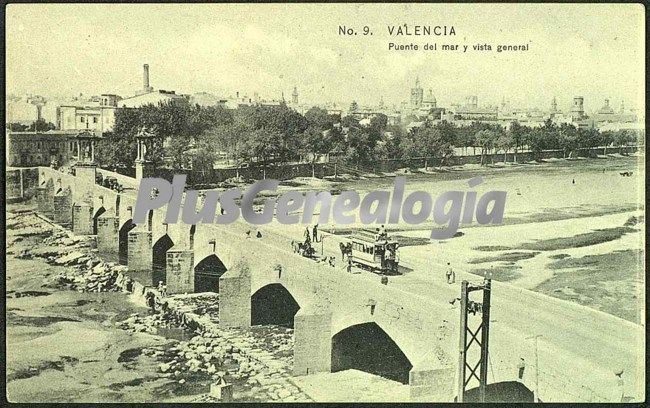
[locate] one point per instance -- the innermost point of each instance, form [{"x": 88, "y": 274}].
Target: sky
[{"x": 592, "y": 50}]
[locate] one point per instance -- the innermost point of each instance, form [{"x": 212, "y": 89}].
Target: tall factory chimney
[{"x": 145, "y": 78}]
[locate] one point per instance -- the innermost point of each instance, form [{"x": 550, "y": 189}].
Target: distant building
[
  {"x": 207, "y": 99},
  {"x": 334, "y": 111},
  {"x": 553, "y": 106},
  {"x": 471, "y": 102},
  {"x": 92, "y": 116},
  {"x": 28, "y": 149},
  {"x": 571, "y": 118},
  {"x": 429, "y": 108},
  {"x": 430, "y": 101},
  {"x": 28, "y": 108},
  {"x": 606, "y": 114},
  {"x": 578, "y": 109},
  {"x": 417, "y": 95},
  {"x": 471, "y": 111},
  {"x": 606, "y": 109},
  {"x": 153, "y": 98},
  {"x": 148, "y": 96}
]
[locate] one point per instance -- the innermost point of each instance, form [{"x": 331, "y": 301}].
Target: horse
[{"x": 346, "y": 249}]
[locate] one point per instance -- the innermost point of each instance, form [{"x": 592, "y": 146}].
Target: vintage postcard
[{"x": 325, "y": 203}]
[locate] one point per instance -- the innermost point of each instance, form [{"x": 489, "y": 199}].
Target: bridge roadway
[
  {"x": 577, "y": 352},
  {"x": 580, "y": 347}
]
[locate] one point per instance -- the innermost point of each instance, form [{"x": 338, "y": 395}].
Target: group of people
[
  {"x": 157, "y": 302},
  {"x": 305, "y": 248},
  {"x": 381, "y": 234},
  {"x": 258, "y": 234},
  {"x": 330, "y": 260},
  {"x": 314, "y": 233}
]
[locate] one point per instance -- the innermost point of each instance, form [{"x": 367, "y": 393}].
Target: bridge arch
[
  {"x": 273, "y": 304},
  {"x": 367, "y": 347},
  {"x": 159, "y": 258},
  {"x": 207, "y": 274},
  {"x": 101, "y": 210},
  {"x": 505, "y": 391},
  {"x": 123, "y": 244}
]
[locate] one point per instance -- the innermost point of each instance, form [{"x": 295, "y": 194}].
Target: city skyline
[{"x": 212, "y": 48}]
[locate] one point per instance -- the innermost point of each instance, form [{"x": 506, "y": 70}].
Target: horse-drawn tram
[{"x": 375, "y": 252}]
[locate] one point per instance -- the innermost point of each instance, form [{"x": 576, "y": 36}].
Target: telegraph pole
[{"x": 468, "y": 306}]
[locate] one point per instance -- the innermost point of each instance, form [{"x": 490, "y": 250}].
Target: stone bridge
[{"x": 340, "y": 320}]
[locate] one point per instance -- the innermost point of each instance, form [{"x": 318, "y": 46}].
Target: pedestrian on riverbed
[
  {"x": 315, "y": 233},
  {"x": 129, "y": 284},
  {"x": 151, "y": 301},
  {"x": 165, "y": 309},
  {"x": 162, "y": 289}
]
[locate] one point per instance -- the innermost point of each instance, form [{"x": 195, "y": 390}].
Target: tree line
[{"x": 193, "y": 136}]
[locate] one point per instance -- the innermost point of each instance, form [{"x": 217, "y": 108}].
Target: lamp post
[{"x": 322, "y": 246}]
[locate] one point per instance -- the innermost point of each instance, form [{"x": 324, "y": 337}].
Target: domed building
[
  {"x": 429, "y": 108},
  {"x": 606, "y": 110}
]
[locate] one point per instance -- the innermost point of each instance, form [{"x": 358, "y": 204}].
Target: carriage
[{"x": 376, "y": 255}]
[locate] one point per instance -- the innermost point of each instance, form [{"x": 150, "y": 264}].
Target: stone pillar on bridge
[
  {"x": 86, "y": 172},
  {"x": 180, "y": 271},
  {"x": 235, "y": 296},
  {"x": 82, "y": 218},
  {"x": 431, "y": 381},
  {"x": 86, "y": 167},
  {"x": 108, "y": 234},
  {"x": 140, "y": 252},
  {"x": 143, "y": 164},
  {"x": 143, "y": 169},
  {"x": 63, "y": 207},
  {"x": 312, "y": 352},
  {"x": 45, "y": 198}
]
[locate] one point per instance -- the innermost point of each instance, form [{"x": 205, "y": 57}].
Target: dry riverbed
[{"x": 74, "y": 334}]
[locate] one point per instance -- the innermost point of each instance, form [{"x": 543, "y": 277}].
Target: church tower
[
  {"x": 294, "y": 96},
  {"x": 417, "y": 94}
]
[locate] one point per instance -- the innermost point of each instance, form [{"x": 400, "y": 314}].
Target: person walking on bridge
[
  {"x": 315, "y": 233},
  {"x": 451, "y": 275}
]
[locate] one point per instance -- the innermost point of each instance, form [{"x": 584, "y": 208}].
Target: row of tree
[
  {"x": 196, "y": 136},
  {"x": 39, "y": 125}
]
